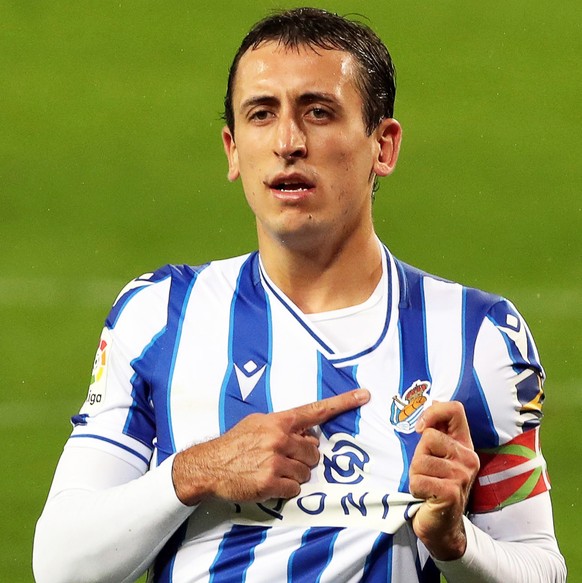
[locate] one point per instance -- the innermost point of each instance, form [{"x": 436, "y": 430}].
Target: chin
[{"x": 304, "y": 231}]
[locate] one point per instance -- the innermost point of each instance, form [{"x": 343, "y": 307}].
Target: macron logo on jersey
[
  {"x": 516, "y": 333},
  {"x": 248, "y": 377}
]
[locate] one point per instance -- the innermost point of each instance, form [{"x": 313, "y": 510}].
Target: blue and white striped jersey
[{"x": 187, "y": 352}]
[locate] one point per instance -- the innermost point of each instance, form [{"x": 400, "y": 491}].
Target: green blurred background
[{"x": 111, "y": 165}]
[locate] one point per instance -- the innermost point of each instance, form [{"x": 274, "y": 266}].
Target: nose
[{"x": 290, "y": 141}]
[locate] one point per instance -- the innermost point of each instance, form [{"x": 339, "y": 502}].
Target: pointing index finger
[{"x": 319, "y": 412}]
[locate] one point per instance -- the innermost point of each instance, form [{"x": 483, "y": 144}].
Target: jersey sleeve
[
  {"x": 509, "y": 377},
  {"x": 117, "y": 415},
  {"x": 515, "y": 544}
]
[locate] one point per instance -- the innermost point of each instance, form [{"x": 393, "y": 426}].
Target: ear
[
  {"x": 231, "y": 154},
  {"x": 388, "y": 135}
]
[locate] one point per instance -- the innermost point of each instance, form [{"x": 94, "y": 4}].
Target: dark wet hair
[{"x": 375, "y": 78}]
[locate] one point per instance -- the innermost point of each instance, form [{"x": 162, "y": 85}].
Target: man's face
[{"x": 300, "y": 145}]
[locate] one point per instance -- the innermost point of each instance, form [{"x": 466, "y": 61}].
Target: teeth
[{"x": 292, "y": 187}]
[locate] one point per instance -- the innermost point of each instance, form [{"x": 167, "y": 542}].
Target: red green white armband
[{"x": 510, "y": 473}]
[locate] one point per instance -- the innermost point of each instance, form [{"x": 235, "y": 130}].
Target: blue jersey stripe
[
  {"x": 407, "y": 447},
  {"x": 335, "y": 380},
  {"x": 308, "y": 562},
  {"x": 413, "y": 341},
  {"x": 246, "y": 387},
  {"x": 160, "y": 367},
  {"x": 140, "y": 422},
  {"x": 413, "y": 355},
  {"x": 236, "y": 554},
  {"x": 378, "y": 568}
]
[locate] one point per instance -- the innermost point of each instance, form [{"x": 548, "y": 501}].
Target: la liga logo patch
[
  {"x": 99, "y": 375},
  {"x": 407, "y": 408},
  {"x": 100, "y": 361}
]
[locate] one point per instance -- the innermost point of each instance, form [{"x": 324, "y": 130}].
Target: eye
[
  {"x": 260, "y": 115},
  {"x": 319, "y": 113}
]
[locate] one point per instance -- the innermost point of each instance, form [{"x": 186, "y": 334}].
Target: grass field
[{"x": 111, "y": 165}]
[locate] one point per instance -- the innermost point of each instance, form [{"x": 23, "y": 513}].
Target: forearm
[
  {"x": 487, "y": 560},
  {"x": 106, "y": 535}
]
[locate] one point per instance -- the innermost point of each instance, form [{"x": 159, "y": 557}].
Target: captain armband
[{"x": 510, "y": 473}]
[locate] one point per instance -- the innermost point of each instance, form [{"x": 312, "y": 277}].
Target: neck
[{"x": 325, "y": 277}]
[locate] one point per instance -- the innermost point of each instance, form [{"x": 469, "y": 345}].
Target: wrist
[
  {"x": 449, "y": 547},
  {"x": 189, "y": 487}
]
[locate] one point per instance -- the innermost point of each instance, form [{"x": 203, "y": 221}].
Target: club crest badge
[{"x": 407, "y": 408}]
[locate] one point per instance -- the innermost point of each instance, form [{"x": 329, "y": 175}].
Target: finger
[
  {"x": 307, "y": 416},
  {"x": 436, "y": 490},
  {"x": 441, "y": 457},
  {"x": 440, "y": 478},
  {"x": 284, "y": 479},
  {"x": 295, "y": 470},
  {"x": 449, "y": 418},
  {"x": 436, "y": 443},
  {"x": 287, "y": 488},
  {"x": 303, "y": 449},
  {"x": 433, "y": 466}
]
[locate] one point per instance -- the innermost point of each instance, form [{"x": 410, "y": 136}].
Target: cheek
[
  {"x": 349, "y": 155},
  {"x": 250, "y": 174}
]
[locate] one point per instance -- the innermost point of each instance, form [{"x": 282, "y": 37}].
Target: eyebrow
[
  {"x": 258, "y": 100},
  {"x": 303, "y": 99},
  {"x": 317, "y": 96}
]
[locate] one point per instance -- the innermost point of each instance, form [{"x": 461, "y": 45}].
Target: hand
[
  {"x": 442, "y": 472},
  {"x": 264, "y": 456}
]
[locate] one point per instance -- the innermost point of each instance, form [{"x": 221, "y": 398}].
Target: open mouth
[
  {"x": 291, "y": 187},
  {"x": 291, "y": 184}
]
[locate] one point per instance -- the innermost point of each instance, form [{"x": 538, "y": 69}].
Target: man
[{"x": 225, "y": 436}]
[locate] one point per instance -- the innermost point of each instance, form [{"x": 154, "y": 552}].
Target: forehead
[{"x": 274, "y": 68}]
